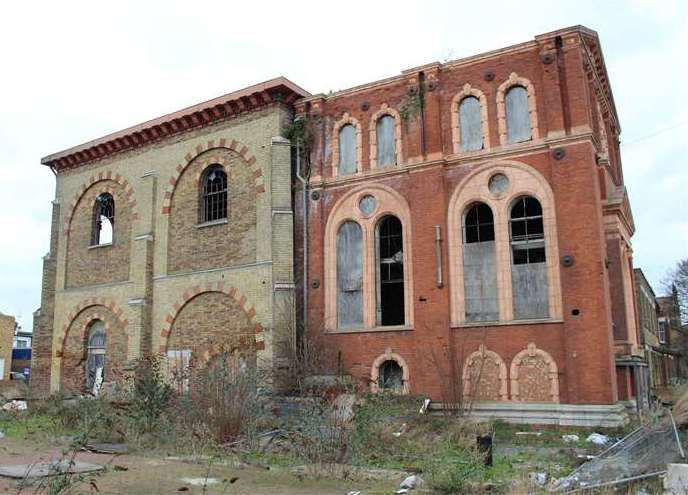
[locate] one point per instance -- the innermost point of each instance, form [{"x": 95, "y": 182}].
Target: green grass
[{"x": 24, "y": 425}]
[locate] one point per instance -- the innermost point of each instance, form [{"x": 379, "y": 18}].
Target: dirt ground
[{"x": 136, "y": 474}]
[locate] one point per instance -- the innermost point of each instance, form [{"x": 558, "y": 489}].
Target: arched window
[
  {"x": 347, "y": 149},
  {"x": 95, "y": 360},
  {"x": 480, "y": 277},
  {"x": 390, "y": 272},
  {"x": 470, "y": 123},
  {"x": 214, "y": 195},
  {"x": 529, "y": 267},
  {"x": 103, "y": 220},
  {"x": 391, "y": 376},
  {"x": 386, "y": 141},
  {"x": 350, "y": 275},
  {"x": 517, "y": 115}
]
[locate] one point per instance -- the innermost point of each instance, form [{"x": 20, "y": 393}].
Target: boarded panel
[
  {"x": 347, "y": 150},
  {"x": 530, "y": 290},
  {"x": 470, "y": 124},
  {"x": 386, "y": 142},
  {"x": 517, "y": 115},
  {"x": 349, "y": 275},
  {"x": 480, "y": 282}
]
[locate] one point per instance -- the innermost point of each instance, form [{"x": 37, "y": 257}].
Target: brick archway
[
  {"x": 107, "y": 175},
  {"x": 210, "y": 287},
  {"x": 106, "y": 303},
  {"x": 492, "y": 376},
  {"x": 388, "y": 355},
  {"x": 234, "y": 145}
]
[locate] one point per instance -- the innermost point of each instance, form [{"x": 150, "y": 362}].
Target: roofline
[{"x": 247, "y": 92}]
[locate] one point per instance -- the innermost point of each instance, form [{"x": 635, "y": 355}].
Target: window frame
[
  {"x": 516, "y": 80},
  {"x": 468, "y": 91},
  {"x": 384, "y": 110},
  {"x": 205, "y": 196},
  {"x": 96, "y": 223}
]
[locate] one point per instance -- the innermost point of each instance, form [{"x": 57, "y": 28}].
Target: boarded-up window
[
  {"x": 470, "y": 124},
  {"x": 517, "y": 115},
  {"x": 103, "y": 220},
  {"x": 390, "y": 272},
  {"x": 349, "y": 275},
  {"x": 480, "y": 277},
  {"x": 95, "y": 360},
  {"x": 529, "y": 267},
  {"x": 347, "y": 150},
  {"x": 386, "y": 141}
]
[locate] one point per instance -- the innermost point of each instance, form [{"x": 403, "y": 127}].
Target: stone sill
[
  {"x": 97, "y": 246},
  {"x": 221, "y": 221},
  {"x": 395, "y": 328},
  {"x": 481, "y": 324}
]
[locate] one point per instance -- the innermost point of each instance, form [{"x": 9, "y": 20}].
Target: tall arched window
[
  {"x": 386, "y": 141},
  {"x": 214, "y": 194},
  {"x": 347, "y": 149},
  {"x": 390, "y": 272},
  {"x": 95, "y": 360},
  {"x": 103, "y": 220},
  {"x": 480, "y": 278},
  {"x": 529, "y": 263},
  {"x": 350, "y": 275},
  {"x": 470, "y": 124},
  {"x": 517, "y": 115}
]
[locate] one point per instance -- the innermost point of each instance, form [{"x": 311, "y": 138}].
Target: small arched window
[
  {"x": 386, "y": 141},
  {"x": 529, "y": 263},
  {"x": 95, "y": 360},
  {"x": 214, "y": 195},
  {"x": 350, "y": 275},
  {"x": 391, "y": 376},
  {"x": 390, "y": 272},
  {"x": 517, "y": 115},
  {"x": 479, "y": 260},
  {"x": 103, "y": 220},
  {"x": 347, "y": 149},
  {"x": 470, "y": 124}
]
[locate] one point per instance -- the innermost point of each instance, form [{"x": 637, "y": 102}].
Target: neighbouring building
[
  {"x": 173, "y": 236},
  {"x": 8, "y": 325},
  {"x": 468, "y": 228},
  {"x": 674, "y": 336}
]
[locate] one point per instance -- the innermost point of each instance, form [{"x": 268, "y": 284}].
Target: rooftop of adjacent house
[{"x": 223, "y": 107}]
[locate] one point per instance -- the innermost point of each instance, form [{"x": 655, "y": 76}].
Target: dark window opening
[
  {"x": 391, "y": 376},
  {"x": 390, "y": 307},
  {"x": 103, "y": 220},
  {"x": 527, "y": 232},
  {"x": 214, "y": 196},
  {"x": 479, "y": 225},
  {"x": 95, "y": 361}
]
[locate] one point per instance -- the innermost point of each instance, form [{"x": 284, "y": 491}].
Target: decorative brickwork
[
  {"x": 534, "y": 376},
  {"x": 194, "y": 246},
  {"x": 375, "y": 371},
  {"x": 346, "y": 119},
  {"x": 468, "y": 90},
  {"x": 516, "y": 80},
  {"x": 210, "y": 319},
  {"x": 87, "y": 264},
  {"x": 73, "y": 351},
  {"x": 485, "y": 376},
  {"x": 223, "y": 143},
  {"x": 385, "y": 109}
]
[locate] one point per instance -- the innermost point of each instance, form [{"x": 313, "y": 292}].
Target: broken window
[
  {"x": 390, "y": 273},
  {"x": 391, "y": 376},
  {"x": 480, "y": 277},
  {"x": 350, "y": 275},
  {"x": 103, "y": 220},
  {"x": 347, "y": 150},
  {"x": 517, "y": 115},
  {"x": 179, "y": 369},
  {"x": 95, "y": 361},
  {"x": 386, "y": 141},
  {"x": 214, "y": 196},
  {"x": 529, "y": 267},
  {"x": 470, "y": 124}
]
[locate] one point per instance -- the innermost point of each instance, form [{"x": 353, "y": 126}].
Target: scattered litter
[
  {"x": 354, "y": 492},
  {"x": 15, "y": 405},
  {"x": 424, "y": 407},
  {"x": 570, "y": 438},
  {"x": 107, "y": 448},
  {"x": 200, "y": 481},
  {"x": 538, "y": 478},
  {"x": 598, "y": 439},
  {"x": 401, "y": 491},
  {"x": 401, "y": 431},
  {"x": 411, "y": 482},
  {"x": 529, "y": 433},
  {"x": 120, "y": 468},
  {"x": 183, "y": 489},
  {"x": 2, "y": 434},
  {"x": 43, "y": 469}
]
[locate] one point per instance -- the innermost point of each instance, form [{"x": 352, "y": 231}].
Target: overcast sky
[{"x": 76, "y": 70}]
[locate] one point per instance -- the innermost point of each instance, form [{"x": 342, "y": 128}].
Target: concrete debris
[
  {"x": 529, "y": 433},
  {"x": 401, "y": 491},
  {"x": 343, "y": 408},
  {"x": 200, "y": 481},
  {"x": 43, "y": 469},
  {"x": 424, "y": 407},
  {"x": 570, "y": 438},
  {"x": 676, "y": 479},
  {"x": 597, "y": 439},
  {"x": 538, "y": 478},
  {"x": 411, "y": 482},
  {"x": 15, "y": 405},
  {"x": 354, "y": 492},
  {"x": 2, "y": 434}
]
